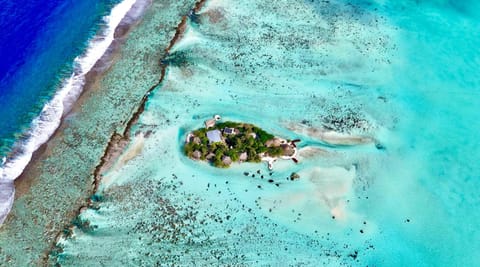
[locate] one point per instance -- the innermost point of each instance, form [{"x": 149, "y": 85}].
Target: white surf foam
[{"x": 50, "y": 117}]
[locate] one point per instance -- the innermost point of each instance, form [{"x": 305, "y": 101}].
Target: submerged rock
[{"x": 294, "y": 176}]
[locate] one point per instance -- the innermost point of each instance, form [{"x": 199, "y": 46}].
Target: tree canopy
[{"x": 246, "y": 138}]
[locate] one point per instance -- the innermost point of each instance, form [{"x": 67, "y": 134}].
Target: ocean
[
  {"x": 47, "y": 50},
  {"x": 39, "y": 42},
  {"x": 383, "y": 95}
]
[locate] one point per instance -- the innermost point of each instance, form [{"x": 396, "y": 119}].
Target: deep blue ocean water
[{"x": 39, "y": 41}]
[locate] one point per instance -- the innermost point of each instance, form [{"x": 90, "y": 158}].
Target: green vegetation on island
[{"x": 227, "y": 142}]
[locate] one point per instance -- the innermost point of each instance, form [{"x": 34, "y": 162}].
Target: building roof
[
  {"x": 243, "y": 156},
  {"x": 210, "y": 123},
  {"x": 197, "y": 154},
  {"x": 214, "y": 136},
  {"x": 226, "y": 160},
  {"x": 288, "y": 150},
  {"x": 229, "y": 130},
  {"x": 273, "y": 142}
]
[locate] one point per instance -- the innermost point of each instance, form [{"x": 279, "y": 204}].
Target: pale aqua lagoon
[{"x": 383, "y": 95}]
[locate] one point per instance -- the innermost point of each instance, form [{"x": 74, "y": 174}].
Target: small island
[{"x": 222, "y": 143}]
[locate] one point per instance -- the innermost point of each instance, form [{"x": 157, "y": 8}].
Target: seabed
[{"x": 329, "y": 73}]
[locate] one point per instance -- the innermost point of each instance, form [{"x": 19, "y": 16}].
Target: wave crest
[{"x": 43, "y": 126}]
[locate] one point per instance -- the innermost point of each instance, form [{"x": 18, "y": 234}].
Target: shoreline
[
  {"x": 58, "y": 180},
  {"x": 43, "y": 126},
  {"x": 224, "y": 143},
  {"x": 74, "y": 179},
  {"x": 118, "y": 142},
  {"x": 128, "y": 22},
  {"x": 26, "y": 152}
]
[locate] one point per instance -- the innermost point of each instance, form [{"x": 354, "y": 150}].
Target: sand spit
[
  {"x": 122, "y": 156},
  {"x": 134, "y": 150},
  {"x": 311, "y": 152},
  {"x": 329, "y": 136},
  {"x": 320, "y": 195}
]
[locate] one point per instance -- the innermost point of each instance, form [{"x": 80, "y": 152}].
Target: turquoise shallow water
[{"x": 399, "y": 74}]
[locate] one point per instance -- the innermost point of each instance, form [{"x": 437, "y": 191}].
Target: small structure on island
[
  {"x": 274, "y": 142},
  {"x": 228, "y": 142},
  {"x": 228, "y": 130},
  {"x": 189, "y": 138},
  {"x": 193, "y": 139},
  {"x": 243, "y": 156},
  {"x": 288, "y": 150},
  {"x": 214, "y": 136},
  {"x": 211, "y": 122},
  {"x": 196, "y": 154},
  {"x": 226, "y": 160}
]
